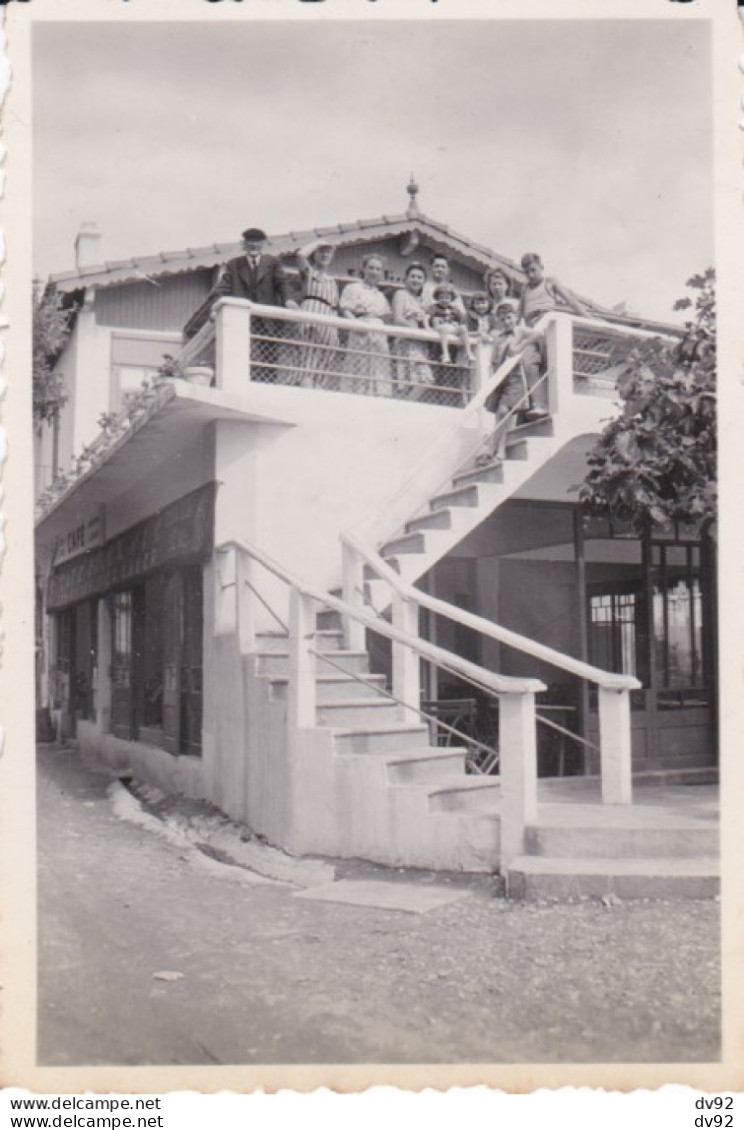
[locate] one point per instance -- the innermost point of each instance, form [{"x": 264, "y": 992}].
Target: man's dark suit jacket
[{"x": 267, "y": 284}]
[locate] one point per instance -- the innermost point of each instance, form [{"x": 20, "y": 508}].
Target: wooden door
[
  {"x": 122, "y": 665},
  {"x": 172, "y": 625},
  {"x": 191, "y": 661}
]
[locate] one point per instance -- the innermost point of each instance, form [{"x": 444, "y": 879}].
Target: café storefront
[{"x": 127, "y": 629}]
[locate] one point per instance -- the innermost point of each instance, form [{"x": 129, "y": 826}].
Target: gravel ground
[{"x": 264, "y": 977}]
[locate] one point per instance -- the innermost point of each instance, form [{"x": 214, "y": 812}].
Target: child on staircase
[
  {"x": 540, "y": 296},
  {"x": 511, "y": 341}
]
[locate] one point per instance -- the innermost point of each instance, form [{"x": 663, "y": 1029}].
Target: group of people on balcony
[{"x": 373, "y": 361}]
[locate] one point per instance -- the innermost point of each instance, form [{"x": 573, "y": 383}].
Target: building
[{"x": 218, "y": 544}]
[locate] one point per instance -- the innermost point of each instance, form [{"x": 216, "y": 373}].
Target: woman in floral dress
[
  {"x": 318, "y": 357},
  {"x": 413, "y": 370},
  {"x": 367, "y": 360}
]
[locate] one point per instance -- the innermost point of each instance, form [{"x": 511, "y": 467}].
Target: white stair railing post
[
  {"x": 406, "y": 663},
  {"x": 517, "y": 770},
  {"x": 226, "y": 591},
  {"x": 246, "y": 605},
  {"x": 615, "y": 746},
  {"x": 233, "y": 346},
  {"x": 560, "y": 360},
  {"x": 352, "y": 592},
  {"x": 301, "y": 707},
  {"x": 482, "y": 366}
]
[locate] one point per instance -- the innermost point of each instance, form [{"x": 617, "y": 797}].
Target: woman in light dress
[
  {"x": 498, "y": 287},
  {"x": 318, "y": 356},
  {"x": 367, "y": 359},
  {"x": 414, "y": 373}
]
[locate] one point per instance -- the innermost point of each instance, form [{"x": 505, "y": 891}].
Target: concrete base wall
[{"x": 180, "y": 775}]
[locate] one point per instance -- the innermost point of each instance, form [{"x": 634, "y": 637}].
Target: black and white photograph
[{"x": 378, "y": 643}]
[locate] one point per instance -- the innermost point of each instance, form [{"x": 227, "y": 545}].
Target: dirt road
[{"x": 249, "y": 973}]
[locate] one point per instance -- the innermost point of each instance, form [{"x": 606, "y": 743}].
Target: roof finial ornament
[{"x": 412, "y": 190}]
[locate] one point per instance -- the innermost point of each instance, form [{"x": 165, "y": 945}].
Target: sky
[{"x": 587, "y": 141}]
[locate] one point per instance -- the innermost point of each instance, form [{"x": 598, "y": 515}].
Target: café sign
[
  {"x": 87, "y": 534},
  {"x": 178, "y": 534}
]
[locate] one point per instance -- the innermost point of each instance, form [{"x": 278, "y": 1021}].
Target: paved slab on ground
[{"x": 413, "y": 898}]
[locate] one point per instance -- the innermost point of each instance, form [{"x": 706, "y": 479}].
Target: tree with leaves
[
  {"x": 51, "y": 331},
  {"x": 656, "y": 463}
]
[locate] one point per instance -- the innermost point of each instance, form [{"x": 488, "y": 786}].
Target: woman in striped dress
[{"x": 318, "y": 355}]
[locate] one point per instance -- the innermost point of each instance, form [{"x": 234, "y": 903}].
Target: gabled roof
[
  {"x": 146, "y": 267},
  {"x": 440, "y": 236}
]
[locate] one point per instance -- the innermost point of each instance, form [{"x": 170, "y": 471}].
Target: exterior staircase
[
  {"x": 666, "y": 845},
  {"x": 466, "y": 500},
  {"x": 404, "y": 800}
]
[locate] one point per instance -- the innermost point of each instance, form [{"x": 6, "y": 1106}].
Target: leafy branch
[{"x": 656, "y": 463}]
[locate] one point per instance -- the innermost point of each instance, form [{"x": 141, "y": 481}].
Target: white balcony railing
[{"x": 273, "y": 345}]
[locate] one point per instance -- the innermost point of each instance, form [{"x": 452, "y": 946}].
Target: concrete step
[
  {"x": 463, "y": 496},
  {"x": 465, "y": 794},
  {"x": 326, "y": 639},
  {"x": 535, "y": 877},
  {"x": 329, "y": 639},
  {"x": 390, "y": 737},
  {"x": 267, "y": 642},
  {"x": 277, "y": 662},
  {"x": 336, "y": 688},
  {"x": 409, "y": 543},
  {"x": 328, "y": 618},
  {"x": 489, "y": 473},
  {"x": 437, "y": 520},
  {"x": 688, "y": 841},
  {"x": 425, "y": 764},
  {"x": 517, "y": 449},
  {"x": 358, "y": 711},
  {"x": 542, "y": 427}
]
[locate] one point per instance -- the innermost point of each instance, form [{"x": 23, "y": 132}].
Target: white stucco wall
[{"x": 291, "y": 489}]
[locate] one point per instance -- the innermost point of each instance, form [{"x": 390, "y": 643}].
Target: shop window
[
  {"x": 678, "y": 623},
  {"x": 662, "y": 645},
  {"x": 126, "y": 634},
  {"x": 75, "y": 672},
  {"x": 614, "y": 632},
  {"x": 157, "y": 661}
]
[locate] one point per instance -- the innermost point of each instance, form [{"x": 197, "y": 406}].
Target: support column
[
  {"x": 615, "y": 746},
  {"x": 233, "y": 341},
  {"x": 226, "y": 592},
  {"x": 482, "y": 366},
  {"x": 245, "y": 602},
  {"x": 518, "y": 770},
  {"x": 406, "y": 663},
  {"x": 352, "y": 592},
  {"x": 583, "y": 622},
  {"x": 301, "y": 707},
  {"x": 560, "y": 361}
]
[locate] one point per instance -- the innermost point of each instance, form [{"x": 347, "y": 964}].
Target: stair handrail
[
  {"x": 467, "y": 417},
  {"x": 613, "y": 689},
  {"x": 609, "y": 679},
  {"x": 473, "y": 672},
  {"x": 517, "y": 718}
]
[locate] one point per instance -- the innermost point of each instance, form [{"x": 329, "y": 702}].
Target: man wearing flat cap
[{"x": 254, "y": 275}]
